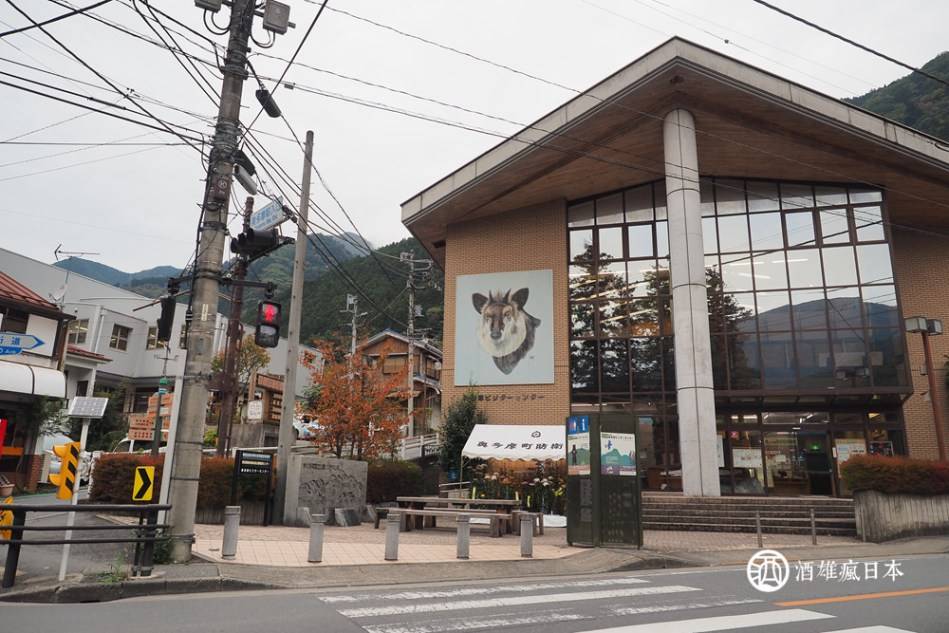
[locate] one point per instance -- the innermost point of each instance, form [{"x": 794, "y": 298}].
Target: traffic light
[
  {"x": 255, "y": 244},
  {"x": 268, "y": 324},
  {"x": 166, "y": 319},
  {"x": 68, "y": 469}
]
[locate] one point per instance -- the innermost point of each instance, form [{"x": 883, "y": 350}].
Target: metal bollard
[
  {"x": 527, "y": 536},
  {"x": 392, "y": 536},
  {"x": 813, "y": 528},
  {"x": 463, "y": 527},
  {"x": 232, "y": 521},
  {"x": 758, "y": 529},
  {"x": 317, "y": 527}
]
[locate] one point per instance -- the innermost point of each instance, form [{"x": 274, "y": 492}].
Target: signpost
[
  {"x": 144, "y": 486},
  {"x": 256, "y": 464},
  {"x": 268, "y": 216},
  {"x": 14, "y": 343},
  {"x": 255, "y": 411}
]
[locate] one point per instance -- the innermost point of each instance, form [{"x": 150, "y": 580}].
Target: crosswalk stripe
[
  {"x": 663, "y": 608},
  {"x": 872, "y": 629},
  {"x": 720, "y": 623},
  {"x": 480, "y": 591},
  {"x": 491, "y": 624},
  {"x": 428, "y": 607}
]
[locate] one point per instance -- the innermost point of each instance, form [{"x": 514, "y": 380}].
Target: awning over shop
[
  {"x": 30, "y": 380},
  {"x": 515, "y": 441}
]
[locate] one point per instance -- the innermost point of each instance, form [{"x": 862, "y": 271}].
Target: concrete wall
[
  {"x": 884, "y": 517},
  {"x": 527, "y": 239},
  {"x": 922, "y": 263}
]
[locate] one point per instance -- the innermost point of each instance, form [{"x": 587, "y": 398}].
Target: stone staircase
[{"x": 779, "y": 515}]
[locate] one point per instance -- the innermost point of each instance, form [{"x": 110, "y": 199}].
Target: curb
[{"x": 107, "y": 592}]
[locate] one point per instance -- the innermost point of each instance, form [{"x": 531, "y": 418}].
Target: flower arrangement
[{"x": 541, "y": 486}]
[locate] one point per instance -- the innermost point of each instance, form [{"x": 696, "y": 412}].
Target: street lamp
[{"x": 926, "y": 328}]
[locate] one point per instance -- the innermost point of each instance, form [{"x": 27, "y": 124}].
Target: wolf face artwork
[{"x": 505, "y": 330}]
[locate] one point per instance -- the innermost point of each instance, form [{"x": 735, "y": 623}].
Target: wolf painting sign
[{"x": 504, "y": 328}]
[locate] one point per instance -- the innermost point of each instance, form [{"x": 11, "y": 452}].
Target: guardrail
[{"x": 146, "y": 533}]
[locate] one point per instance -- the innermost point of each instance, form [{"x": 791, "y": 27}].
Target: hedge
[
  {"x": 114, "y": 475},
  {"x": 896, "y": 475},
  {"x": 387, "y": 480}
]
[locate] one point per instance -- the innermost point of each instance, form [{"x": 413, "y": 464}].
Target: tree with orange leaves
[{"x": 357, "y": 409}]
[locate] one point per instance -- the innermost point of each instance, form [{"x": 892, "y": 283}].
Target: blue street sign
[
  {"x": 268, "y": 217},
  {"x": 14, "y": 343}
]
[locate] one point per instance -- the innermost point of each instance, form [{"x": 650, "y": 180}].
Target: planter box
[{"x": 884, "y": 517}]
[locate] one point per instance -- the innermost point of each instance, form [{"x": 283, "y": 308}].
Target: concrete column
[
  {"x": 463, "y": 527},
  {"x": 232, "y": 522},
  {"x": 393, "y": 521},
  {"x": 693, "y": 357},
  {"x": 317, "y": 527},
  {"x": 527, "y": 535}
]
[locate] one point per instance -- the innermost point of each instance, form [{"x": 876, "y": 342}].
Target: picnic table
[{"x": 500, "y": 506}]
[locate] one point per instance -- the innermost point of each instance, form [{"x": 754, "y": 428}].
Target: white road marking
[
  {"x": 872, "y": 629},
  {"x": 661, "y": 608},
  {"x": 480, "y": 591},
  {"x": 428, "y": 607},
  {"x": 490, "y": 624},
  {"x": 720, "y": 623}
]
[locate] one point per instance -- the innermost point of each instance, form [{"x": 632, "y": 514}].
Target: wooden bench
[{"x": 496, "y": 518}]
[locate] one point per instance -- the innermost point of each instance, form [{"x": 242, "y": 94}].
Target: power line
[
  {"x": 863, "y": 47},
  {"x": 56, "y": 19}
]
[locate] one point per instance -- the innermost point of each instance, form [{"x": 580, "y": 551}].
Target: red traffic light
[{"x": 268, "y": 313}]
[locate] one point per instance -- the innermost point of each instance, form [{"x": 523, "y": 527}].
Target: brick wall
[
  {"x": 922, "y": 265},
  {"x": 534, "y": 238}
]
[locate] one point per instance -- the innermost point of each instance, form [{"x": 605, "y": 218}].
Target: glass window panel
[
  {"x": 796, "y": 197},
  {"x": 785, "y": 470},
  {"x": 879, "y": 305},
  {"x": 746, "y": 464},
  {"x": 644, "y": 317},
  {"x": 762, "y": 196},
  {"x": 611, "y": 243},
  {"x": 826, "y": 197},
  {"x": 874, "y": 262},
  {"x": 581, "y": 246},
  {"x": 709, "y": 235},
  {"x": 639, "y": 204},
  {"x": 810, "y": 310},
  {"x": 743, "y": 361},
  {"x": 612, "y": 318},
  {"x": 719, "y": 361},
  {"x": 774, "y": 311},
  {"x": 645, "y": 361},
  {"x": 834, "y": 227},
  {"x": 582, "y": 283},
  {"x": 800, "y": 228},
  {"x": 609, "y": 209},
  {"x": 580, "y": 214},
  {"x": 668, "y": 365},
  {"x": 659, "y": 198},
  {"x": 614, "y": 366},
  {"x": 736, "y": 273},
  {"x": 581, "y": 319},
  {"x": 850, "y": 358},
  {"x": 814, "y": 359},
  {"x": 665, "y": 316},
  {"x": 583, "y": 366},
  {"x": 738, "y": 312},
  {"x": 611, "y": 280},
  {"x": 840, "y": 269},
  {"x": 770, "y": 271},
  {"x": 642, "y": 277},
  {"x": 859, "y": 194},
  {"x": 804, "y": 268},
  {"x": 662, "y": 239},
  {"x": 733, "y": 233},
  {"x": 869, "y": 223},
  {"x": 707, "y": 196},
  {"x": 766, "y": 233},
  {"x": 777, "y": 359},
  {"x": 887, "y": 357},
  {"x": 662, "y": 280},
  {"x": 713, "y": 274},
  {"x": 729, "y": 196},
  {"x": 843, "y": 308},
  {"x": 640, "y": 241}
]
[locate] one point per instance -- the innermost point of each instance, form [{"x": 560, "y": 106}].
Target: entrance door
[{"x": 817, "y": 462}]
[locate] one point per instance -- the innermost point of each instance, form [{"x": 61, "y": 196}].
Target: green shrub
[
  {"x": 387, "y": 480},
  {"x": 896, "y": 475},
  {"x": 114, "y": 474}
]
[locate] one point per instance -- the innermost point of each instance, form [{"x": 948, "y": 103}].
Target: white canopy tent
[{"x": 516, "y": 441}]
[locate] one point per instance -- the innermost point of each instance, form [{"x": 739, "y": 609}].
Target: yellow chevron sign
[{"x": 144, "y": 485}]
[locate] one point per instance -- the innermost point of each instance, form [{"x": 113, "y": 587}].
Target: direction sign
[
  {"x": 268, "y": 216},
  {"x": 83, "y": 407},
  {"x": 143, "y": 487},
  {"x": 14, "y": 342}
]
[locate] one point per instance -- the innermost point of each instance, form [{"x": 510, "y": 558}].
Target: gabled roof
[
  {"x": 13, "y": 290},
  {"x": 390, "y": 333},
  {"x": 749, "y": 123}
]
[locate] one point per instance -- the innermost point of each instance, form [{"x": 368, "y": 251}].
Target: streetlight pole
[{"x": 927, "y": 328}]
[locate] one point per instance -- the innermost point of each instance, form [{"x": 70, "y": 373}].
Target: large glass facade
[{"x": 802, "y": 301}]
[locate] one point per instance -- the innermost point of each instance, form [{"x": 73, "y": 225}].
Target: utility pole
[
  {"x": 285, "y": 434},
  {"x": 186, "y": 468},
  {"x": 410, "y": 333},
  {"x": 232, "y": 351},
  {"x": 352, "y": 308}
]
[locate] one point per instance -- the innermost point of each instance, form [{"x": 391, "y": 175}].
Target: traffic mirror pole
[{"x": 71, "y": 517}]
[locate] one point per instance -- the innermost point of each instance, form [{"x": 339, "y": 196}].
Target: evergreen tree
[{"x": 462, "y": 416}]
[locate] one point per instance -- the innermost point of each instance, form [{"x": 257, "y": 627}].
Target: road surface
[{"x": 683, "y": 601}]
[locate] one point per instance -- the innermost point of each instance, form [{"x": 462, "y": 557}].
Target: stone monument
[{"x": 325, "y": 485}]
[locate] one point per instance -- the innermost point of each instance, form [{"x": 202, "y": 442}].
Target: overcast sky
[{"x": 138, "y": 210}]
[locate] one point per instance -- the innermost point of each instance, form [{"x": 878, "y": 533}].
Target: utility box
[{"x": 276, "y": 17}]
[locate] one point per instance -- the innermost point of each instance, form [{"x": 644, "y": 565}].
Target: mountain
[
  {"x": 113, "y": 276},
  {"x": 914, "y": 100}
]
